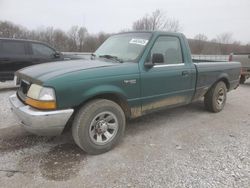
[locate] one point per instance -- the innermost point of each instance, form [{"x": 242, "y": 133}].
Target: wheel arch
[
  {"x": 115, "y": 97},
  {"x": 112, "y": 96},
  {"x": 225, "y": 80}
]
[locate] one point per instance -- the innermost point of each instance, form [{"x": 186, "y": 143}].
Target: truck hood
[{"x": 51, "y": 70}]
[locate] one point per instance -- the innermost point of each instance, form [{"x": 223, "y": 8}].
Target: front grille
[{"x": 24, "y": 87}]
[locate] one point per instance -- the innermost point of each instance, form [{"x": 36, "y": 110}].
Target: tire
[
  {"x": 98, "y": 126},
  {"x": 216, "y": 97},
  {"x": 242, "y": 79}
]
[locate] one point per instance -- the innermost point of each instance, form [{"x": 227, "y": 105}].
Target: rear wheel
[
  {"x": 215, "y": 98},
  {"x": 242, "y": 79},
  {"x": 98, "y": 126}
]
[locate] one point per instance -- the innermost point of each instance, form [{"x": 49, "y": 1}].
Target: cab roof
[{"x": 155, "y": 32}]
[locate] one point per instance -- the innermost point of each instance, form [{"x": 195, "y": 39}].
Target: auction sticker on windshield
[{"x": 142, "y": 42}]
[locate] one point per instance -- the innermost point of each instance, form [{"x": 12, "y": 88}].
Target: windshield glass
[{"x": 126, "y": 46}]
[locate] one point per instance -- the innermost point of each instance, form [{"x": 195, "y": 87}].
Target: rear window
[{"x": 13, "y": 48}]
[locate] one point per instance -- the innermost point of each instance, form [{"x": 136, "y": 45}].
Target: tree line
[
  {"x": 223, "y": 44},
  {"x": 78, "y": 39}
]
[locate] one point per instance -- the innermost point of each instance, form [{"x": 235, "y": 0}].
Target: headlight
[{"x": 41, "y": 97}]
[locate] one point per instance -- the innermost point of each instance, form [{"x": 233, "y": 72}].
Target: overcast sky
[{"x": 210, "y": 17}]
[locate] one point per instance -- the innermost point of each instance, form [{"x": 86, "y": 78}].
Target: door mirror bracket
[{"x": 57, "y": 54}]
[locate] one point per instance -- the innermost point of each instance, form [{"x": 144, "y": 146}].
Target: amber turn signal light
[{"x": 42, "y": 105}]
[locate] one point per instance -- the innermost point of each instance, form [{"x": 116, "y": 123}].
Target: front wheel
[
  {"x": 98, "y": 126},
  {"x": 216, "y": 97}
]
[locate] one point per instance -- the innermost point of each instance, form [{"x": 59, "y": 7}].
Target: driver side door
[{"x": 169, "y": 83}]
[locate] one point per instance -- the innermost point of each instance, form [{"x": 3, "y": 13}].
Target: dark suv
[{"x": 16, "y": 54}]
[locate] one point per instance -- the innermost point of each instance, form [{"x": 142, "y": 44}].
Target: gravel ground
[
  {"x": 6, "y": 85},
  {"x": 181, "y": 147},
  {"x": 7, "y": 118}
]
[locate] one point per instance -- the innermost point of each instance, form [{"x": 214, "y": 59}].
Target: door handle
[{"x": 185, "y": 73}]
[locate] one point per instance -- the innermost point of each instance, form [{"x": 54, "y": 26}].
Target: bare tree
[
  {"x": 235, "y": 46},
  {"x": 142, "y": 24},
  {"x": 172, "y": 25},
  {"x": 10, "y": 30},
  {"x": 94, "y": 41},
  {"x": 200, "y": 41},
  {"x": 77, "y": 36},
  {"x": 90, "y": 44},
  {"x": 73, "y": 35},
  {"x": 60, "y": 40},
  {"x": 156, "y": 21},
  {"x": 212, "y": 48},
  {"x": 224, "y": 39},
  {"x": 82, "y": 33},
  {"x": 201, "y": 37},
  {"x": 46, "y": 34}
]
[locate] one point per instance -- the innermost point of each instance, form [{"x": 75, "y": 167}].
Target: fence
[{"x": 211, "y": 57}]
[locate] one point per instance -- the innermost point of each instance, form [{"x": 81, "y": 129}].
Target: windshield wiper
[{"x": 111, "y": 57}]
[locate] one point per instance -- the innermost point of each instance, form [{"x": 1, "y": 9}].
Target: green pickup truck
[{"x": 131, "y": 74}]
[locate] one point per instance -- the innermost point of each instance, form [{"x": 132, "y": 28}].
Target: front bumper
[{"x": 48, "y": 123}]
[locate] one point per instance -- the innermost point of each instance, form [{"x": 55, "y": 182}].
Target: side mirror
[
  {"x": 148, "y": 64},
  {"x": 157, "y": 58},
  {"x": 57, "y": 55}
]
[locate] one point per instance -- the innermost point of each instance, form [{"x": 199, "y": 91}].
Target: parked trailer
[{"x": 244, "y": 59}]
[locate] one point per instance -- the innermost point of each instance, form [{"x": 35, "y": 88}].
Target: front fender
[
  {"x": 103, "y": 89},
  {"x": 74, "y": 96}
]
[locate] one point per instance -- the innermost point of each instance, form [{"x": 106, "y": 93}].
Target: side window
[
  {"x": 13, "y": 48},
  {"x": 170, "y": 48},
  {"x": 42, "y": 50}
]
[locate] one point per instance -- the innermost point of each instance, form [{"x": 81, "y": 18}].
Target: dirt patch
[
  {"x": 62, "y": 162},
  {"x": 29, "y": 164},
  {"x": 21, "y": 142}
]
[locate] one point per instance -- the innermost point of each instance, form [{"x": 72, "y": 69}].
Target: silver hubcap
[
  {"x": 103, "y": 128},
  {"x": 220, "y": 97}
]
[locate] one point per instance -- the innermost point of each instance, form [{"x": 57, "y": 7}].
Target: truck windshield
[{"x": 124, "y": 47}]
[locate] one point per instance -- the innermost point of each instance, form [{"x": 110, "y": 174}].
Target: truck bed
[{"x": 209, "y": 72}]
